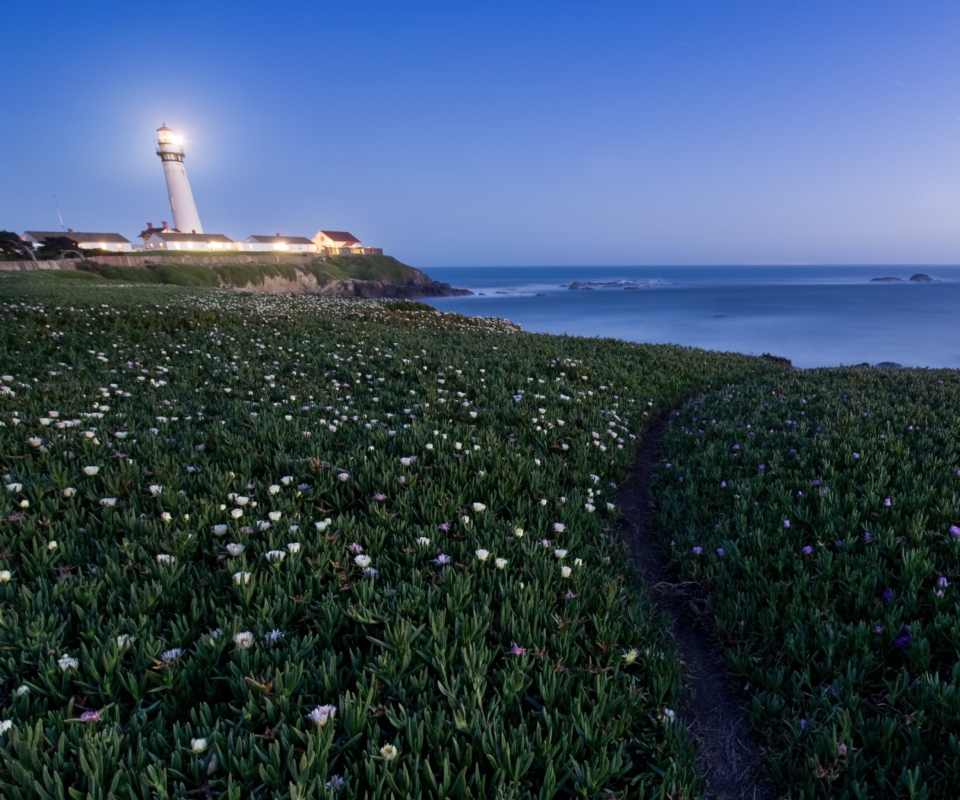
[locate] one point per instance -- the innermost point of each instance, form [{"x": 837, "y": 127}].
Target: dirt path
[{"x": 730, "y": 752}]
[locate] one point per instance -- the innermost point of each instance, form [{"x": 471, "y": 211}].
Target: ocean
[{"x": 815, "y": 316}]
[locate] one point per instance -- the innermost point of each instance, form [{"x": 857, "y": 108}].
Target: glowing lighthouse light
[{"x": 170, "y": 149}]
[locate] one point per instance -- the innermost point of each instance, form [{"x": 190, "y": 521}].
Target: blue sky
[{"x": 488, "y": 133}]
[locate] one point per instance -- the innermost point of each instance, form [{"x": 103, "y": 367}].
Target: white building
[
  {"x": 170, "y": 150},
  {"x": 169, "y": 240},
  {"x": 278, "y": 244},
  {"x": 336, "y": 242},
  {"x": 111, "y": 242}
]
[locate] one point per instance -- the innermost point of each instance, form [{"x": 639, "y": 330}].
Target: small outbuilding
[{"x": 278, "y": 244}]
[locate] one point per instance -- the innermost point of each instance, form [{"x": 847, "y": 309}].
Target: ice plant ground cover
[
  {"x": 257, "y": 546},
  {"x": 821, "y": 512}
]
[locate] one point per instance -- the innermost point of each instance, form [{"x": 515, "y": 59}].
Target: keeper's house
[
  {"x": 277, "y": 244},
  {"x": 158, "y": 239},
  {"x": 111, "y": 242}
]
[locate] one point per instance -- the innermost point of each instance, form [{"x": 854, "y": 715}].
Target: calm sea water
[{"x": 815, "y": 316}]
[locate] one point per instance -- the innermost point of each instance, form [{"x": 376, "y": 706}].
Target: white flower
[
  {"x": 242, "y": 577},
  {"x": 286, "y": 480},
  {"x": 198, "y": 745},
  {"x": 389, "y": 752},
  {"x": 34, "y": 441},
  {"x": 578, "y": 562},
  {"x": 323, "y": 524},
  {"x": 4, "y": 576},
  {"x": 172, "y": 654},
  {"x": 610, "y": 506},
  {"x": 124, "y": 640},
  {"x": 560, "y": 553},
  {"x": 565, "y": 572},
  {"x": 263, "y": 525},
  {"x": 631, "y": 655},
  {"x": 235, "y": 549},
  {"x": 52, "y": 545},
  {"x": 483, "y": 555},
  {"x": 501, "y": 563},
  {"x": 22, "y": 689},
  {"x": 293, "y": 528},
  {"x": 343, "y": 476},
  {"x": 243, "y": 640},
  {"x": 91, "y": 471},
  {"x": 219, "y": 530},
  {"x": 321, "y": 715},
  {"x": 559, "y": 527},
  {"x": 66, "y": 663},
  {"x": 155, "y": 489},
  {"x": 108, "y": 501},
  {"x": 14, "y": 487},
  {"x": 274, "y": 516},
  {"x": 166, "y": 516},
  {"x": 240, "y": 500},
  {"x": 590, "y": 507},
  {"x": 518, "y": 532},
  {"x": 362, "y": 561},
  {"x": 273, "y": 488},
  {"x": 669, "y": 716},
  {"x": 293, "y": 547},
  {"x": 275, "y": 555},
  {"x": 236, "y": 513},
  {"x": 478, "y": 507},
  {"x": 164, "y": 558},
  {"x": 423, "y": 540},
  {"x": 69, "y": 492},
  {"x": 5, "y": 725}
]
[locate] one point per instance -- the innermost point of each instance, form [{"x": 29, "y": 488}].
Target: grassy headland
[{"x": 319, "y": 273}]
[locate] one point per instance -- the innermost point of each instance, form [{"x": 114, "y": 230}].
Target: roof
[
  {"x": 169, "y": 236},
  {"x": 79, "y": 238},
  {"x": 280, "y": 239},
  {"x": 147, "y": 231},
  {"x": 339, "y": 236}
]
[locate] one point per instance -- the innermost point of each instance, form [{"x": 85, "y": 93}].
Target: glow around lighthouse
[{"x": 170, "y": 149}]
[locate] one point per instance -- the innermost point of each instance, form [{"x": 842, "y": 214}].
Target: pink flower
[
  {"x": 379, "y": 496},
  {"x": 517, "y": 650},
  {"x": 355, "y": 548},
  {"x": 569, "y": 595},
  {"x": 91, "y": 716}
]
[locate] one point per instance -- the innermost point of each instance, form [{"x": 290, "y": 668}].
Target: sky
[{"x": 500, "y": 133}]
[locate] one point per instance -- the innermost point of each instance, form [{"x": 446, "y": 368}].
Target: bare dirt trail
[{"x": 716, "y": 714}]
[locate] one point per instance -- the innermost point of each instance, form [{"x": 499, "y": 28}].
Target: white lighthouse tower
[{"x": 170, "y": 149}]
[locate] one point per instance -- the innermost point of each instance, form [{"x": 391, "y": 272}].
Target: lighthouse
[{"x": 170, "y": 150}]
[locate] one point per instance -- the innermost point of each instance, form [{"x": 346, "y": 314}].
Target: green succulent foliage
[
  {"x": 834, "y": 496},
  {"x": 138, "y": 659}
]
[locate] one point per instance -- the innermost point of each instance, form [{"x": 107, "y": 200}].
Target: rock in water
[
  {"x": 921, "y": 278},
  {"x": 886, "y": 280}
]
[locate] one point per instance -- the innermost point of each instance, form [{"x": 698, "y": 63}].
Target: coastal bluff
[{"x": 368, "y": 277}]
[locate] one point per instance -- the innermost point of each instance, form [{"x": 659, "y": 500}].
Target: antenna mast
[{"x": 62, "y": 226}]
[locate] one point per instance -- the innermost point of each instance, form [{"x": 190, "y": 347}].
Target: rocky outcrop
[
  {"x": 384, "y": 289},
  {"x": 418, "y": 284},
  {"x": 921, "y": 278}
]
